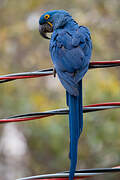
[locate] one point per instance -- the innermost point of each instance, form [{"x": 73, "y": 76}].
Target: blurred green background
[{"x": 42, "y": 146}]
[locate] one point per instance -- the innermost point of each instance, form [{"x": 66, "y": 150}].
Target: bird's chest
[
  {"x": 59, "y": 45},
  {"x": 57, "y": 57}
]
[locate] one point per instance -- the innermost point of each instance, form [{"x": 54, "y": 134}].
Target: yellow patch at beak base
[{"x": 50, "y": 24}]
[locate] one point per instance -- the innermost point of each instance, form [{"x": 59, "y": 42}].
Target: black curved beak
[
  {"x": 44, "y": 29},
  {"x": 42, "y": 32}
]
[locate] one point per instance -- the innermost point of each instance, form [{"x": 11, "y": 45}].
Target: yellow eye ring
[{"x": 47, "y": 16}]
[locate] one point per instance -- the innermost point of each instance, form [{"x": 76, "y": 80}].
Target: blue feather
[
  {"x": 75, "y": 125},
  {"x": 70, "y": 49}
]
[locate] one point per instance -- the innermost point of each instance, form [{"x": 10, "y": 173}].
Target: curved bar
[
  {"x": 80, "y": 174},
  {"x": 39, "y": 115},
  {"x": 48, "y": 72}
]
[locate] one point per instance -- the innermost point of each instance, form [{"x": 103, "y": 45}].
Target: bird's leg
[
  {"x": 54, "y": 72},
  {"x": 74, "y": 73}
]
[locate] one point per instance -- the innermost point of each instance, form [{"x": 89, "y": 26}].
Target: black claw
[{"x": 54, "y": 72}]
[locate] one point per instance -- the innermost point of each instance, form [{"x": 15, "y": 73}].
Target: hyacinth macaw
[{"x": 70, "y": 49}]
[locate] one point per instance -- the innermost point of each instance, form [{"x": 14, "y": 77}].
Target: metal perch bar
[
  {"x": 39, "y": 115},
  {"x": 48, "y": 72},
  {"x": 80, "y": 174}
]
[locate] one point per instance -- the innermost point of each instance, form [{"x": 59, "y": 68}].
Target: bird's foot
[{"x": 54, "y": 72}]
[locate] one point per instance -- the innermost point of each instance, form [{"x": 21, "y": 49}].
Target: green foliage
[{"x": 22, "y": 49}]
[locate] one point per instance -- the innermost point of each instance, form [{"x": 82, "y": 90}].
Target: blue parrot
[{"x": 70, "y": 49}]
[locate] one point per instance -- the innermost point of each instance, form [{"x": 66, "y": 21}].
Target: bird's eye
[{"x": 47, "y": 16}]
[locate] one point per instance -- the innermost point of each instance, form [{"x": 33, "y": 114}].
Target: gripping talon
[{"x": 54, "y": 72}]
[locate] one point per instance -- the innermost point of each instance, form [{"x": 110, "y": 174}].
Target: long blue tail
[{"x": 75, "y": 125}]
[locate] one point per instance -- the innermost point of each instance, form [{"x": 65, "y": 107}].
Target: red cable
[
  {"x": 23, "y": 77},
  {"x": 22, "y": 119},
  {"x": 14, "y": 77},
  {"x": 63, "y": 178},
  {"x": 104, "y": 104},
  {"x": 19, "y": 119},
  {"x": 105, "y": 62}
]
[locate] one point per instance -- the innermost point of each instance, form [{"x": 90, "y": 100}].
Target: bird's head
[{"x": 52, "y": 20}]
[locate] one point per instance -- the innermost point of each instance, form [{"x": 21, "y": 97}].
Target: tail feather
[{"x": 75, "y": 125}]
